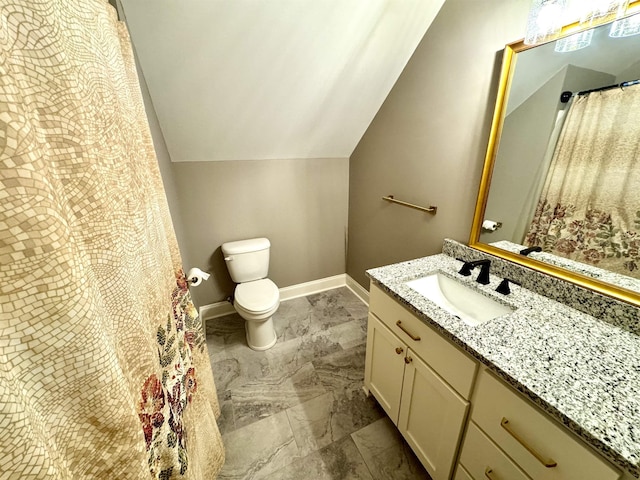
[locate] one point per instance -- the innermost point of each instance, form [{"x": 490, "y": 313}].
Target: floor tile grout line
[
  {"x": 364, "y": 460},
  {"x": 326, "y": 309}
]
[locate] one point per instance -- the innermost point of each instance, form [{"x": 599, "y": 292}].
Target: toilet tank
[{"x": 247, "y": 260}]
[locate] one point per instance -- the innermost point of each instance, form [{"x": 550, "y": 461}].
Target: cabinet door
[
  {"x": 462, "y": 474},
  {"x": 384, "y": 366},
  {"x": 432, "y": 417},
  {"x": 455, "y": 367}
]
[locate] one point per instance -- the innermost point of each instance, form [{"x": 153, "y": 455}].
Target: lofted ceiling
[{"x": 271, "y": 79}]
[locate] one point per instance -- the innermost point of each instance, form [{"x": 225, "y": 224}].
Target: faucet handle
[
  {"x": 466, "y": 268},
  {"x": 503, "y": 288}
]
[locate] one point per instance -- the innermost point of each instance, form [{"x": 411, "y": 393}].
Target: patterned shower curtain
[
  {"x": 589, "y": 209},
  {"x": 103, "y": 367}
]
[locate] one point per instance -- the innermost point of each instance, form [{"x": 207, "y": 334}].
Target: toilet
[{"x": 256, "y": 298}]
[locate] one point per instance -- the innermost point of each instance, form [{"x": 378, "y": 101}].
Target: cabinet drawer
[
  {"x": 451, "y": 363},
  {"x": 530, "y": 438},
  {"x": 484, "y": 460}
]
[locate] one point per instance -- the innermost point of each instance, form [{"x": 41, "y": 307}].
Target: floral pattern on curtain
[
  {"x": 589, "y": 209},
  {"x": 103, "y": 367}
]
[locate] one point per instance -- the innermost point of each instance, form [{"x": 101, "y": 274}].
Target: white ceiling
[{"x": 264, "y": 79}]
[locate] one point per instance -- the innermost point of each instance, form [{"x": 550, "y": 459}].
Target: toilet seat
[{"x": 257, "y": 297}]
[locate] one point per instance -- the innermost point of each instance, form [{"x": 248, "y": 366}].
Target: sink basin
[{"x": 462, "y": 301}]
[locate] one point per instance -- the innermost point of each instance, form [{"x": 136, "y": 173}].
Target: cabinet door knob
[
  {"x": 489, "y": 473},
  {"x": 408, "y": 360},
  {"x": 399, "y": 350}
]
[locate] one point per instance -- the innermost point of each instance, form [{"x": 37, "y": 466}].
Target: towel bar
[{"x": 431, "y": 209}]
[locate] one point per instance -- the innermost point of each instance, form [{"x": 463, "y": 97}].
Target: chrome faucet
[{"x": 483, "y": 276}]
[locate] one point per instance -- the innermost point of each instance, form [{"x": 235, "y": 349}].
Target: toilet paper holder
[
  {"x": 491, "y": 226},
  {"x": 196, "y": 276}
]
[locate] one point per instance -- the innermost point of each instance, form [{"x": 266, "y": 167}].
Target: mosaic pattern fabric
[
  {"x": 589, "y": 210},
  {"x": 103, "y": 370}
]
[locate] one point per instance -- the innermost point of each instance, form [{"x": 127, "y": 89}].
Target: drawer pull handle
[
  {"x": 399, "y": 350},
  {"x": 413, "y": 337},
  {"x": 488, "y": 472},
  {"x": 408, "y": 360},
  {"x": 549, "y": 463}
]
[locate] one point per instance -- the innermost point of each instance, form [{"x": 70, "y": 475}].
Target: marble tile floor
[{"x": 297, "y": 410}]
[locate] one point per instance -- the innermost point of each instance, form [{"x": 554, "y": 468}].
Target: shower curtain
[
  {"x": 103, "y": 366},
  {"x": 523, "y": 222},
  {"x": 589, "y": 209}
]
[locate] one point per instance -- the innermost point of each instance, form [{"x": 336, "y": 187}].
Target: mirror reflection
[{"x": 565, "y": 187}]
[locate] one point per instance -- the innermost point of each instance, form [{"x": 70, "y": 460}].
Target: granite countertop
[
  {"x": 582, "y": 371},
  {"x": 623, "y": 281}
]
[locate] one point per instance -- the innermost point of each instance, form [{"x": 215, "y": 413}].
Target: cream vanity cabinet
[
  {"x": 421, "y": 380},
  {"x": 509, "y": 438},
  {"x": 428, "y": 386}
]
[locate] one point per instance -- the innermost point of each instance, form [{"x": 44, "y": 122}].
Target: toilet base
[{"x": 261, "y": 335}]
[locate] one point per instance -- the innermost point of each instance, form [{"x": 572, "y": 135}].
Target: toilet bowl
[
  {"x": 256, "y": 298},
  {"x": 256, "y": 302}
]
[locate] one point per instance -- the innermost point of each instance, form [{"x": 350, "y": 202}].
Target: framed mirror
[{"x": 562, "y": 160}]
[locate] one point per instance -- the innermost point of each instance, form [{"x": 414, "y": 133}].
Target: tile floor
[{"x": 298, "y": 411}]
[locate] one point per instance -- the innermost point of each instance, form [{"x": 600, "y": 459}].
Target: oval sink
[{"x": 470, "y": 306}]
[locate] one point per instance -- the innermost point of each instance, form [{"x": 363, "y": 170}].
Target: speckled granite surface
[
  {"x": 582, "y": 371},
  {"x": 592, "y": 271},
  {"x": 605, "y": 308}
]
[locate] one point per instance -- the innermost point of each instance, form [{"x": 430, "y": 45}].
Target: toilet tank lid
[{"x": 245, "y": 246}]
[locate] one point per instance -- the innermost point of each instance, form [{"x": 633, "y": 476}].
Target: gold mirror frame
[{"x": 584, "y": 281}]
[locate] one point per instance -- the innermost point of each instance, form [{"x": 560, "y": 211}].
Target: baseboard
[
  {"x": 220, "y": 309},
  {"x": 315, "y": 286},
  {"x": 358, "y": 290},
  {"x": 214, "y": 310}
]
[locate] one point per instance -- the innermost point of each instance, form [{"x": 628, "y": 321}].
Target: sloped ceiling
[{"x": 265, "y": 79}]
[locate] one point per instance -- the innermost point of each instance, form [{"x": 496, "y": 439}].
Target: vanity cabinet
[
  {"x": 507, "y": 438},
  {"x": 428, "y": 387},
  {"x": 421, "y": 380}
]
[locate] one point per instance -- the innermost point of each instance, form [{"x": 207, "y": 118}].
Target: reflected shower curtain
[
  {"x": 103, "y": 367},
  {"x": 589, "y": 209},
  {"x": 523, "y": 222}
]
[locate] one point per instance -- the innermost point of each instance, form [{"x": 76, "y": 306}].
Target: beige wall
[
  {"x": 164, "y": 161},
  {"x": 427, "y": 143},
  {"x": 631, "y": 73},
  {"x": 520, "y": 165},
  {"x": 299, "y": 204}
]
